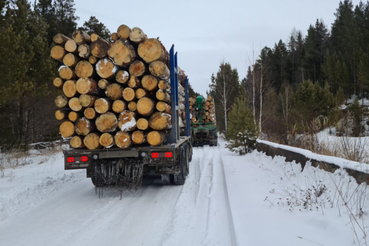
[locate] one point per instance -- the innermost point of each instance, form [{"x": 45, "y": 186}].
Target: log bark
[
  {"x": 76, "y": 142},
  {"x": 71, "y": 46},
  {"x": 106, "y": 69},
  {"x": 114, "y": 91},
  {"x": 149, "y": 83},
  {"x": 91, "y": 141},
  {"x": 61, "y": 101},
  {"x": 159, "y": 69},
  {"x": 163, "y": 107},
  {"x": 69, "y": 88},
  {"x": 137, "y": 68},
  {"x": 102, "y": 105},
  {"x": 152, "y": 50},
  {"x": 60, "y": 39},
  {"x": 137, "y": 35},
  {"x": 73, "y": 116},
  {"x": 70, "y": 60},
  {"x": 162, "y": 96},
  {"x": 66, "y": 73},
  {"x": 103, "y": 83},
  {"x": 99, "y": 48},
  {"x": 181, "y": 76},
  {"x": 57, "y": 52},
  {"x": 81, "y": 37},
  {"x": 83, "y": 126},
  {"x": 90, "y": 113},
  {"x": 114, "y": 36},
  {"x": 107, "y": 122},
  {"x": 106, "y": 140},
  {"x": 84, "y": 69},
  {"x": 118, "y": 106},
  {"x": 134, "y": 82},
  {"x": 129, "y": 94},
  {"x": 87, "y": 100},
  {"x": 123, "y": 31},
  {"x": 58, "y": 82},
  {"x": 138, "y": 137},
  {"x": 61, "y": 114},
  {"x": 142, "y": 124},
  {"x": 66, "y": 129},
  {"x": 132, "y": 106},
  {"x": 93, "y": 60},
  {"x": 122, "y": 52},
  {"x": 160, "y": 121},
  {"x": 127, "y": 121},
  {"x": 155, "y": 138},
  {"x": 145, "y": 106},
  {"x": 87, "y": 86},
  {"x": 122, "y": 77},
  {"x": 74, "y": 104},
  {"x": 84, "y": 51},
  {"x": 140, "y": 93},
  {"x": 122, "y": 139}
]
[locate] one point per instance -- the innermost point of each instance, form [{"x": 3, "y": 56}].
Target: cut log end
[
  {"x": 57, "y": 52},
  {"x": 155, "y": 138},
  {"x": 137, "y": 68},
  {"x": 123, "y": 31},
  {"x": 106, "y": 140},
  {"x": 122, "y": 139},
  {"x": 129, "y": 94},
  {"x": 145, "y": 106},
  {"x": 84, "y": 69},
  {"x": 118, "y": 106},
  {"x": 138, "y": 137},
  {"x": 92, "y": 141},
  {"x": 76, "y": 142},
  {"x": 114, "y": 91},
  {"x": 122, "y": 76},
  {"x": 127, "y": 121},
  {"x": 107, "y": 122},
  {"x": 149, "y": 83},
  {"x": 160, "y": 121},
  {"x": 66, "y": 129},
  {"x": 102, "y": 105},
  {"x": 90, "y": 113},
  {"x": 71, "y": 46},
  {"x": 142, "y": 124}
]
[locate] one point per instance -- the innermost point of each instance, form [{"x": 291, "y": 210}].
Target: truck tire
[
  {"x": 95, "y": 183},
  {"x": 180, "y": 179}
]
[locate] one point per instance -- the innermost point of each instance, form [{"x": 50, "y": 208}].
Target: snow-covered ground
[{"x": 226, "y": 200}]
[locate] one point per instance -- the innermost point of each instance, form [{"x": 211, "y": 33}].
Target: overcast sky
[{"x": 207, "y": 32}]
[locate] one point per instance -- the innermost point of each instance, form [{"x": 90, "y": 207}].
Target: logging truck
[{"x": 125, "y": 115}]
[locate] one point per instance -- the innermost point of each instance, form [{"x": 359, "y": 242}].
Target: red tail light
[
  {"x": 155, "y": 155},
  {"x": 84, "y": 158},
  {"x": 70, "y": 159},
  {"x": 168, "y": 154}
]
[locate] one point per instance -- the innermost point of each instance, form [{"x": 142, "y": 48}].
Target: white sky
[{"x": 207, "y": 32}]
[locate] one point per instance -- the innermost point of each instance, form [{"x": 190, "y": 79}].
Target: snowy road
[{"x": 197, "y": 213}]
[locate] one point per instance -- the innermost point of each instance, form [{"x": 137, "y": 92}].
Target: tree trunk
[
  {"x": 159, "y": 69},
  {"x": 114, "y": 36},
  {"x": 57, "y": 53},
  {"x": 69, "y": 88},
  {"x": 66, "y": 73},
  {"x": 84, "y": 51},
  {"x": 102, "y": 105},
  {"x": 152, "y": 50},
  {"x": 137, "y": 35},
  {"x": 103, "y": 84},
  {"x": 61, "y": 101},
  {"x": 58, "y": 82},
  {"x": 140, "y": 93},
  {"x": 155, "y": 138},
  {"x": 123, "y": 31},
  {"x": 74, "y": 104},
  {"x": 118, "y": 106},
  {"x": 145, "y": 106},
  {"x": 149, "y": 83},
  {"x": 127, "y": 121},
  {"x": 122, "y": 52},
  {"x": 138, "y": 137},
  {"x": 84, "y": 126},
  {"x": 129, "y": 94},
  {"x": 66, "y": 129},
  {"x": 81, "y": 37},
  {"x": 134, "y": 82},
  {"x": 106, "y": 140},
  {"x": 142, "y": 124},
  {"x": 164, "y": 85},
  {"x": 160, "y": 121},
  {"x": 84, "y": 69},
  {"x": 93, "y": 60},
  {"x": 106, "y": 69},
  {"x": 163, "y": 107},
  {"x": 99, "y": 48},
  {"x": 107, "y": 122},
  {"x": 61, "y": 114},
  {"x": 132, "y": 106},
  {"x": 71, "y": 46},
  {"x": 87, "y": 86},
  {"x": 76, "y": 142},
  {"x": 122, "y": 77},
  {"x": 114, "y": 91},
  {"x": 73, "y": 116},
  {"x": 90, "y": 113},
  {"x": 137, "y": 68},
  {"x": 91, "y": 141},
  {"x": 162, "y": 96},
  {"x": 122, "y": 139},
  {"x": 70, "y": 60},
  {"x": 60, "y": 39},
  {"x": 87, "y": 100}
]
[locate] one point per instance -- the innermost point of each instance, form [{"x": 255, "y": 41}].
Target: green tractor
[{"x": 203, "y": 126}]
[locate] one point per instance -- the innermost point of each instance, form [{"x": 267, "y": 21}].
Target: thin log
[
  {"x": 142, "y": 124},
  {"x": 149, "y": 83},
  {"x": 156, "y": 138},
  {"x": 84, "y": 51},
  {"x": 103, "y": 83},
  {"x": 134, "y": 82},
  {"x": 162, "y": 96},
  {"x": 209, "y": 98},
  {"x": 57, "y": 53},
  {"x": 138, "y": 137},
  {"x": 71, "y": 46},
  {"x": 107, "y": 122},
  {"x": 76, "y": 142},
  {"x": 69, "y": 88},
  {"x": 164, "y": 85},
  {"x": 122, "y": 139},
  {"x": 61, "y": 101},
  {"x": 137, "y": 35},
  {"x": 81, "y": 37},
  {"x": 159, "y": 69},
  {"x": 84, "y": 69},
  {"x": 93, "y": 60},
  {"x": 66, "y": 73},
  {"x": 99, "y": 48},
  {"x": 87, "y": 100},
  {"x": 91, "y": 141},
  {"x": 74, "y": 104},
  {"x": 114, "y": 36},
  {"x": 122, "y": 52},
  {"x": 163, "y": 107},
  {"x": 58, "y": 82},
  {"x": 140, "y": 93},
  {"x": 137, "y": 68},
  {"x": 60, "y": 39},
  {"x": 118, "y": 106},
  {"x": 132, "y": 106},
  {"x": 127, "y": 121},
  {"x": 129, "y": 94},
  {"x": 66, "y": 129},
  {"x": 123, "y": 31},
  {"x": 74, "y": 116},
  {"x": 70, "y": 60},
  {"x": 102, "y": 105},
  {"x": 84, "y": 126},
  {"x": 90, "y": 113},
  {"x": 152, "y": 50},
  {"x": 122, "y": 77},
  {"x": 106, "y": 140},
  {"x": 106, "y": 69},
  {"x": 61, "y": 114},
  {"x": 145, "y": 106},
  {"x": 87, "y": 86}
]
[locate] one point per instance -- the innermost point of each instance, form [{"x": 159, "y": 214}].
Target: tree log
[
  {"x": 159, "y": 69},
  {"x": 163, "y": 85},
  {"x": 102, "y": 105},
  {"x": 87, "y": 100},
  {"x": 122, "y": 52},
  {"x": 84, "y": 69},
  {"x": 114, "y": 91},
  {"x": 129, "y": 94},
  {"x": 84, "y": 51},
  {"x": 132, "y": 106},
  {"x": 140, "y": 93},
  {"x": 162, "y": 96},
  {"x": 107, "y": 122},
  {"x": 106, "y": 140},
  {"x": 138, "y": 137},
  {"x": 58, "y": 82},
  {"x": 122, "y": 77},
  {"x": 134, "y": 82},
  {"x": 66, "y": 73},
  {"x": 73, "y": 116},
  {"x": 114, "y": 36},
  {"x": 93, "y": 60},
  {"x": 60, "y": 39},
  {"x": 83, "y": 126},
  {"x": 163, "y": 107},
  {"x": 106, "y": 69},
  {"x": 76, "y": 142},
  {"x": 61, "y": 101},
  {"x": 57, "y": 52},
  {"x": 70, "y": 60},
  {"x": 123, "y": 31},
  {"x": 91, "y": 141},
  {"x": 118, "y": 106},
  {"x": 127, "y": 121},
  {"x": 137, "y": 68},
  {"x": 87, "y": 86},
  {"x": 66, "y": 129},
  {"x": 160, "y": 121},
  {"x": 122, "y": 139},
  {"x": 155, "y": 138},
  {"x": 90, "y": 113},
  {"x": 145, "y": 106},
  {"x": 103, "y": 84},
  {"x": 69, "y": 88},
  {"x": 99, "y": 48},
  {"x": 61, "y": 114},
  {"x": 74, "y": 104},
  {"x": 71, "y": 46},
  {"x": 142, "y": 124},
  {"x": 81, "y": 37},
  {"x": 149, "y": 83},
  {"x": 152, "y": 50},
  {"x": 137, "y": 35}
]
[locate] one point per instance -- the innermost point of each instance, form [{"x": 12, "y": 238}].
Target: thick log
[
  {"x": 123, "y": 31},
  {"x": 164, "y": 85},
  {"x": 162, "y": 96},
  {"x": 155, "y": 138},
  {"x": 149, "y": 83},
  {"x": 106, "y": 140},
  {"x": 160, "y": 121},
  {"x": 76, "y": 142},
  {"x": 87, "y": 86},
  {"x": 102, "y": 105},
  {"x": 73, "y": 116},
  {"x": 107, "y": 122},
  {"x": 152, "y": 50},
  {"x": 70, "y": 60},
  {"x": 74, "y": 104},
  {"x": 114, "y": 36},
  {"x": 137, "y": 68},
  {"x": 87, "y": 100},
  {"x": 106, "y": 69},
  {"x": 209, "y": 98},
  {"x": 58, "y": 82},
  {"x": 61, "y": 101},
  {"x": 122, "y": 139},
  {"x": 90, "y": 113},
  {"x": 84, "y": 51},
  {"x": 140, "y": 93},
  {"x": 66, "y": 73},
  {"x": 83, "y": 126},
  {"x": 159, "y": 69},
  {"x": 118, "y": 106},
  {"x": 84, "y": 69},
  {"x": 137, "y": 35},
  {"x": 142, "y": 124},
  {"x": 127, "y": 121},
  {"x": 138, "y": 137},
  {"x": 114, "y": 91},
  {"x": 145, "y": 106},
  {"x": 71, "y": 46},
  {"x": 81, "y": 37},
  {"x": 122, "y": 77},
  {"x": 91, "y": 141},
  {"x": 57, "y": 52},
  {"x": 66, "y": 129},
  {"x": 99, "y": 48},
  {"x": 122, "y": 52},
  {"x": 69, "y": 88},
  {"x": 60, "y": 39},
  {"x": 61, "y": 114},
  {"x": 134, "y": 82},
  {"x": 93, "y": 60},
  {"x": 132, "y": 106},
  {"x": 129, "y": 94},
  {"x": 163, "y": 107}
]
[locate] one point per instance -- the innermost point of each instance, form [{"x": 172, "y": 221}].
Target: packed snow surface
[{"x": 227, "y": 200}]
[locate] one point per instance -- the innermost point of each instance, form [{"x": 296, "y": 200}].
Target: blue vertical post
[
  {"x": 187, "y": 108},
  {"x": 172, "y": 137},
  {"x": 177, "y": 98}
]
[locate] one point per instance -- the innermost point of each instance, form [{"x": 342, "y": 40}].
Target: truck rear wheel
[
  {"x": 180, "y": 179},
  {"x": 95, "y": 183}
]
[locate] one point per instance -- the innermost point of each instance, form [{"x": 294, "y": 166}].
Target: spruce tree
[
  {"x": 66, "y": 21},
  {"x": 93, "y": 25}
]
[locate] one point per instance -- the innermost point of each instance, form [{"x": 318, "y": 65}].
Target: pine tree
[
  {"x": 93, "y": 25},
  {"x": 46, "y": 9},
  {"x": 65, "y": 16},
  {"x": 242, "y": 131}
]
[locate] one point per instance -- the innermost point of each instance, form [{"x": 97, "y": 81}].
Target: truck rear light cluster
[
  {"x": 83, "y": 158},
  {"x": 156, "y": 155},
  {"x": 70, "y": 159}
]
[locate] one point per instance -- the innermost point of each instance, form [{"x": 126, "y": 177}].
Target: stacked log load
[
  {"x": 114, "y": 93},
  {"x": 207, "y": 114}
]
